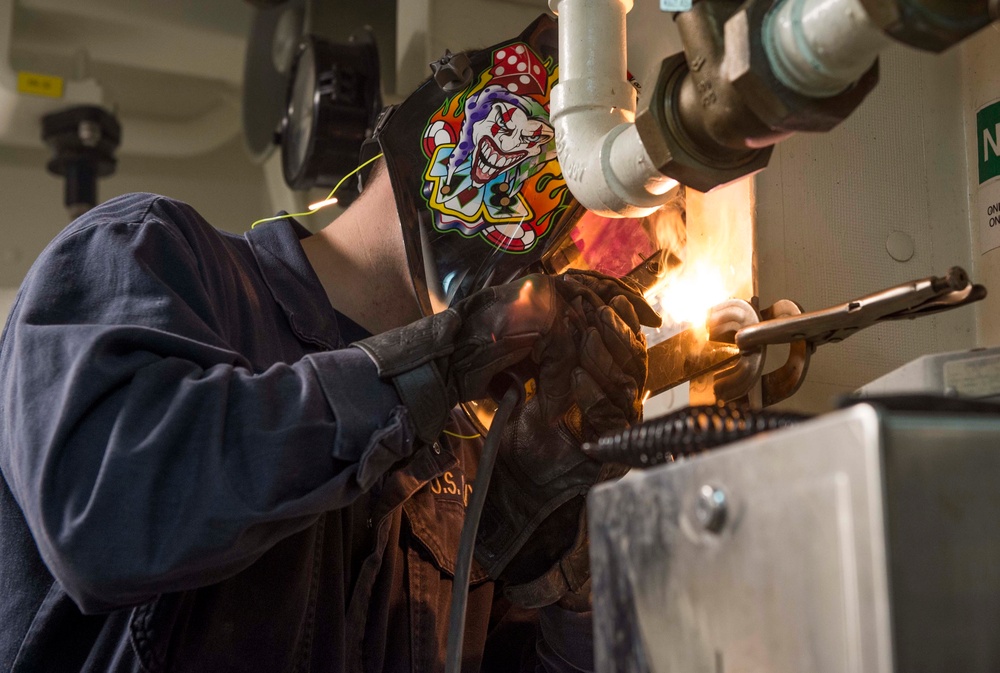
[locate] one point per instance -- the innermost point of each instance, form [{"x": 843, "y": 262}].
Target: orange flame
[
  {"x": 687, "y": 298},
  {"x": 718, "y": 258}
]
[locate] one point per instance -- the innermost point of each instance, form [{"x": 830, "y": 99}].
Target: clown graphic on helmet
[
  {"x": 491, "y": 169},
  {"x": 478, "y": 189}
]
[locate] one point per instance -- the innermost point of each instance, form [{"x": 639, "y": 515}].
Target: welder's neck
[{"x": 361, "y": 262}]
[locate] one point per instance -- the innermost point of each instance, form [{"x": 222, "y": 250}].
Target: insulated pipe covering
[{"x": 821, "y": 47}]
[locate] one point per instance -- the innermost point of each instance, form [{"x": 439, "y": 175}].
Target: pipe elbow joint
[
  {"x": 595, "y": 180},
  {"x": 602, "y": 159}
]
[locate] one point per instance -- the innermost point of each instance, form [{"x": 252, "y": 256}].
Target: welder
[{"x": 246, "y": 453}]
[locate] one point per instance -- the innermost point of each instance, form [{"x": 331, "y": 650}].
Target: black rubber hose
[
  {"x": 463, "y": 565},
  {"x": 685, "y": 432}
]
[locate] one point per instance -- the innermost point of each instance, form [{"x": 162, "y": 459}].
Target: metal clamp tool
[{"x": 739, "y": 335}]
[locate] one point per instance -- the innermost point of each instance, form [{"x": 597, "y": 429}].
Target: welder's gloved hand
[
  {"x": 533, "y": 532},
  {"x": 613, "y": 350},
  {"x": 453, "y": 356}
]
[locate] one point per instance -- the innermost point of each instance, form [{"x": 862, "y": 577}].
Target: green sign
[{"x": 988, "y": 130}]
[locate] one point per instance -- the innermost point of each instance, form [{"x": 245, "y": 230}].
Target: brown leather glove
[
  {"x": 532, "y": 535},
  {"x": 613, "y": 349},
  {"x": 453, "y": 356}
]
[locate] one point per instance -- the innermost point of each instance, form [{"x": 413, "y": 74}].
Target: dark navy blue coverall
[{"x": 199, "y": 476}]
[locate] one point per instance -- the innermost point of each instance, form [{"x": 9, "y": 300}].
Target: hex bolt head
[{"x": 710, "y": 508}]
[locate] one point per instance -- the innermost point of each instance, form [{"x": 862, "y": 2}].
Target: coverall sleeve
[{"x": 145, "y": 453}]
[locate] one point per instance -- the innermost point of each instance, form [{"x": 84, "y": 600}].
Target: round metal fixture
[
  {"x": 83, "y": 141},
  {"x": 333, "y": 101},
  {"x": 900, "y": 246},
  {"x": 710, "y": 507}
]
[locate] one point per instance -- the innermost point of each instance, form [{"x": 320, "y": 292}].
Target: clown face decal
[
  {"x": 505, "y": 138},
  {"x": 491, "y": 171}
]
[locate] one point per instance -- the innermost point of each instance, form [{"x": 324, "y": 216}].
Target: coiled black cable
[{"x": 686, "y": 432}]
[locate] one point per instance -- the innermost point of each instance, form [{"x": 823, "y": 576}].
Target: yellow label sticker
[
  {"x": 37, "y": 84},
  {"x": 529, "y": 389}
]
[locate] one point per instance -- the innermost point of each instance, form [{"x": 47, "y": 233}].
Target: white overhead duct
[{"x": 127, "y": 39}]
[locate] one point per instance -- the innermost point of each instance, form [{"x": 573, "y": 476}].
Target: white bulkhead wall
[
  {"x": 426, "y": 28},
  {"x": 981, "y": 87},
  {"x": 880, "y": 200},
  {"x": 888, "y": 196}
]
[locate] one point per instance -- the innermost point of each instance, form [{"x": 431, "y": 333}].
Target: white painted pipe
[
  {"x": 820, "y": 47},
  {"x": 592, "y": 109}
]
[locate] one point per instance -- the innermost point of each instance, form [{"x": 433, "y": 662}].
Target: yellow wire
[
  {"x": 313, "y": 212},
  {"x": 328, "y": 197},
  {"x": 453, "y": 434}
]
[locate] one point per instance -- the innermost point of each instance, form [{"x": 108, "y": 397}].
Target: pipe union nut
[
  {"x": 781, "y": 108},
  {"x": 672, "y": 152}
]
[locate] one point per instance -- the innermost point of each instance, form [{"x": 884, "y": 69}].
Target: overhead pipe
[
  {"x": 592, "y": 109},
  {"x": 752, "y": 73},
  {"x": 821, "y": 47}
]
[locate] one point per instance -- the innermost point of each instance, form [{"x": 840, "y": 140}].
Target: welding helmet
[{"x": 480, "y": 195}]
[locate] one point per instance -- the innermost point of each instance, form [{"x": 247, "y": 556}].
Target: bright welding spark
[
  {"x": 689, "y": 297},
  {"x": 718, "y": 258},
  {"x": 323, "y": 204}
]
